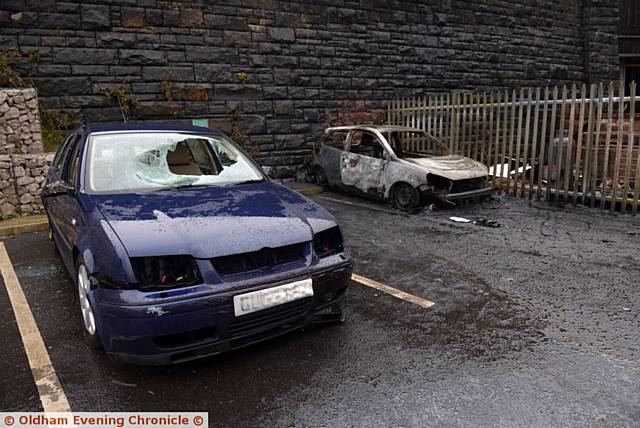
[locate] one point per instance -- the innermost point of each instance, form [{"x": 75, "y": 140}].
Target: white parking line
[
  {"x": 357, "y": 204},
  {"x": 52, "y": 395},
  {"x": 424, "y": 303}
]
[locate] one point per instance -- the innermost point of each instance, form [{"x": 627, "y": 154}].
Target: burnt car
[
  {"x": 375, "y": 161},
  {"x": 180, "y": 246}
]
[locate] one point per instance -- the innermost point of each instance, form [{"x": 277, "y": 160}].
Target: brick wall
[{"x": 280, "y": 71}]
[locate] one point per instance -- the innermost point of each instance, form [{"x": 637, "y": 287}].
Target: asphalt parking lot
[{"x": 535, "y": 323}]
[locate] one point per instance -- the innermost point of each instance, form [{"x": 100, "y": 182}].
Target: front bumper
[
  {"x": 469, "y": 194},
  {"x": 190, "y": 328}
]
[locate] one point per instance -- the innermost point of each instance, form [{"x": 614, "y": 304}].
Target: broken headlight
[
  {"x": 328, "y": 242},
  {"x": 438, "y": 183},
  {"x": 165, "y": 272}
]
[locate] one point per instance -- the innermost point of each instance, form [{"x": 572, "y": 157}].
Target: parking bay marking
[
  {"x": 52, "y": 395},
  {"x": 356, "y": 204},
  {"x": 424, "y": 303}
]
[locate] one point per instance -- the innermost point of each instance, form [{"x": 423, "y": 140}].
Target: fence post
[
  {"x": 607, "y": 146},
  {"x": 588, "y": 156},
  {"x": 616, "y": 165},
  {"x": 505, "y": 137},
  {"x": 494, "y": 153},
  {"x": 534, "y": 145},
  {"x": 596, "y": 154},
  {"x": 630, "y": 141},
  {"x": 563, "y": 109}
]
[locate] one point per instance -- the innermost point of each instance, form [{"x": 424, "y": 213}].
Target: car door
[
  {"x": 55, "y": 188},
  {"x": 363, "y": 163},
  {"x": 73, "y": 217}
]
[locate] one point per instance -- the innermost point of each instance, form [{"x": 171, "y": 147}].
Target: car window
[
  {"x": 70, "y": 160},
  {"x": 56, "y": 165},
  {"x": 366, "y": 144}
]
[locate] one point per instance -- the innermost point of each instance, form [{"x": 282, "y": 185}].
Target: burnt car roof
[
  {"x": 147, "y": 127},
  {"x": 372, "y": 127}
]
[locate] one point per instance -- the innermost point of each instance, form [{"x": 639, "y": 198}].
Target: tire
[
  {"x": 405, "y": 197},
  {"x": 86, "y": 315}
]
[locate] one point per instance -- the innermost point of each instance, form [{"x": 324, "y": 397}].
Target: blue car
[{"x": 181, "y": 247}]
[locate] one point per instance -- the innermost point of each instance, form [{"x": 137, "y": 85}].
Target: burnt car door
[{"x": 363, "y": 163}]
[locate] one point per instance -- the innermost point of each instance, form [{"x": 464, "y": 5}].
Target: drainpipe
[{"x": 585, "y": 24}]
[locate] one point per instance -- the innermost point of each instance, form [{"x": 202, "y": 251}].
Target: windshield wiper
[
  {"x": 184, "y": 186},
  {"x": 260, "y": 180}
]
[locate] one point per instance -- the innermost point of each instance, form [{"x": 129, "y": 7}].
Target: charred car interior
[{"x": 376, "y": 161}]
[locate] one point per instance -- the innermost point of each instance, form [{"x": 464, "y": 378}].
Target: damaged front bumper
[
  {"x": 199, "y": 326},
  {"x": 485, "y": 191},
  {"x": 466, "y": 189}
]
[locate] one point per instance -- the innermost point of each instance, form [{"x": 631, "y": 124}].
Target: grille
[
  {"x": 265, "y": 258},
  {"x": 269, "y": 319},
  {"x": 460, "y": 186},
  {"x": 187, "y": 338}
]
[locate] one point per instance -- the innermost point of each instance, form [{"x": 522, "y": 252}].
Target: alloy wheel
[{"x": 85, "y": 306}]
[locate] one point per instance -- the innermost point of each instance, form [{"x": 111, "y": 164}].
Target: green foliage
[
  {"x": 122, "y": 94},
  {"x": 55, "y": 126},
  {"x": 8, "y": 76}
]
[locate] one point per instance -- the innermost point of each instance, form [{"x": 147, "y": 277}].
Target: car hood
[
  {"x": 453, "y": 167},
  {"x": 212, "y": 221}
]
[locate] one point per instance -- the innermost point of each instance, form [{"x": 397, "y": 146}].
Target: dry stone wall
[
  {"x": 19, "y": 122},
  {"x": 23, "y": 165}
]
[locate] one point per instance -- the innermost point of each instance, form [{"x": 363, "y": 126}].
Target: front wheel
[
  {"x": 87, "y": 316},
  {"x": 405, "y": 196}
]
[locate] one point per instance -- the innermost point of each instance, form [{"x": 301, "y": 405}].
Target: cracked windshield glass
[{"x": 155, "y": 161}]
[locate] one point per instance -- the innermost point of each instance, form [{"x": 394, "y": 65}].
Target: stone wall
[
  {"x": 19, "y": 121},
  {"x": 278, "y": 72},
  {"x": 22, "y": 178}
]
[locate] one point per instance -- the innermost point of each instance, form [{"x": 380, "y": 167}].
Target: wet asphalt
[{"x": 535, "y": 323}]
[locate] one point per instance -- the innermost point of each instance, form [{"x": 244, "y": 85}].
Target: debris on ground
[
  {"x": 121, "y": 383},
  {"x": 460, "y": 219},
  {"x": 486, "y": 223}
]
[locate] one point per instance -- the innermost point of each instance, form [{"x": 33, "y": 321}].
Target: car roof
[
  {"x": 372, "y": 127},
  {"x": 93, "y": 128}
]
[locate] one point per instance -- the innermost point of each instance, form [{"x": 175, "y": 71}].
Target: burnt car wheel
[
  {"x": 405, "y": 196},
  {"x": 87, "y": 317}
]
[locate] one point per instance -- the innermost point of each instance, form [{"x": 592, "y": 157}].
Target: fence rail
[{"x": 571, "y": 144}]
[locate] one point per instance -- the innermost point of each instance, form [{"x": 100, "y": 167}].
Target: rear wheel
[
  {"x": 405, "y": 196},
  {"x": 87, "y": 317}
]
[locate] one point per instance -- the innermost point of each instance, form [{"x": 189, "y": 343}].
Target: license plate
[{"x": 269, "y": 297}]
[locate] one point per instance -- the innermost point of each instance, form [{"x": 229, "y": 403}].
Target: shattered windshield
[{"x": 122, "y": 162}]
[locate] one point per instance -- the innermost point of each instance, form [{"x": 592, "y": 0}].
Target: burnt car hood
[
  {"x": 212, "y": 221},
  {"x": 453, "y": 167}
]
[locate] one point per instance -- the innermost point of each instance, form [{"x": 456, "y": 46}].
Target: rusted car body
[{"x": 373, "y": 160}]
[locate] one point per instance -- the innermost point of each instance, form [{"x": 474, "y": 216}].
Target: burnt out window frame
[{"x": 386, "y": 154}]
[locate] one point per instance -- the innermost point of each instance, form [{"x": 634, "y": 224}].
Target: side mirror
[
  {"x": 268, "y": 170},
  {"x": 56, "y": 188}
]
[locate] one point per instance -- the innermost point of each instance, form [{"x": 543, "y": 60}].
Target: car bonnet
[{"x": 212, "y": 221}]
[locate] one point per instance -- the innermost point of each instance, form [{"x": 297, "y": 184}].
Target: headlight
[
  {"x": 328, "y": 242},
  {"x": 165, "y": 272}
]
